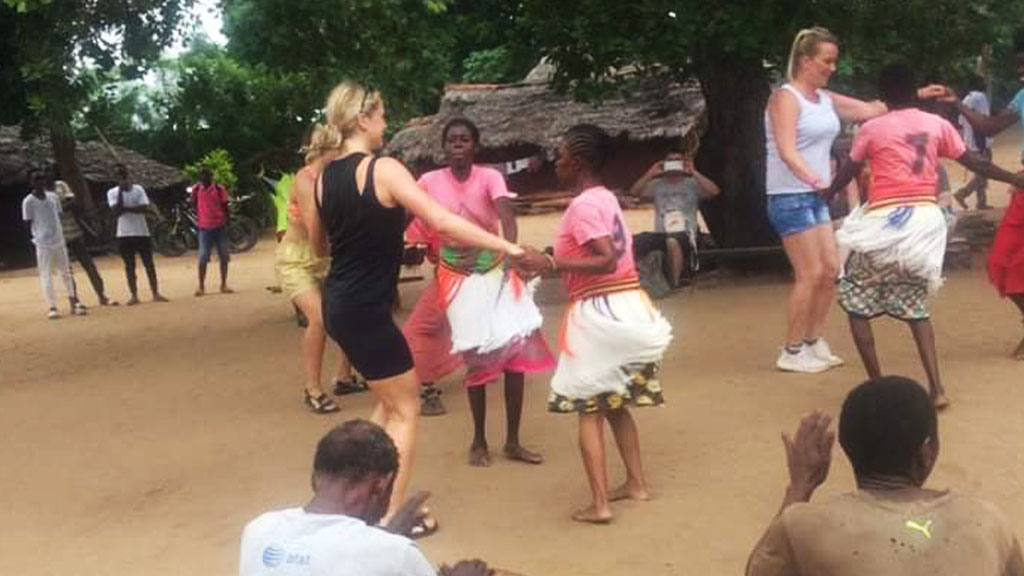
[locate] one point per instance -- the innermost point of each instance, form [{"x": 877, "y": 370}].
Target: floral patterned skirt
[
  {"x": 643, "y": 389},
  {"x": 870, "y": 288},
  {"x": 611, "y": 348}
]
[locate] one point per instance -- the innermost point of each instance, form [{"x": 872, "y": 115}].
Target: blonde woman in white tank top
[{"x": 802, "y": 121}]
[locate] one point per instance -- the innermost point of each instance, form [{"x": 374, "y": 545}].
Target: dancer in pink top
[
  {"x": 612, "y": 337},
  {"x": 494, "y": 324},
  {"x": 893, "y": 246}
]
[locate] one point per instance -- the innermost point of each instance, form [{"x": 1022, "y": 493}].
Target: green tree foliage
[
  {"x": 216, "y": 102},
  {"x": 47, "y": 42},
  {"x": 219, "y": 163},
  {"x": 487, "y": 43},
  {"x": 400, "y": 47},
  {"x": 727, "y": 45}
]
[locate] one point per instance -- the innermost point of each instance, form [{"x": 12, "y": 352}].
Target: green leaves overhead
[{"x": 398, "y": 46}]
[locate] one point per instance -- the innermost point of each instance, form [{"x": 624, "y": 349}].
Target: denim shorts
[
  {"x": 209, "y": 238},
  {"x": 793, "y": 213}
]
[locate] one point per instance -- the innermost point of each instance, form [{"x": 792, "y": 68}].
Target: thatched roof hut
[
  {"x": 96, "y": 160},
  {"x": 523, "y": 119}
]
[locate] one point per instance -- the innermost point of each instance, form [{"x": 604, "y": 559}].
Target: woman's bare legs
[
  {"x": 591, "y": 437},
  {"x": 313, "y": 340},
  {"x": 827, "y": 254},
  {"x": 398, "y": 412},
  {"x": 924, "y": 337},
  {"x": 627, "y": 438},
  {"x": 804, "y": 255},
  {"x": 344, "y": 370}
]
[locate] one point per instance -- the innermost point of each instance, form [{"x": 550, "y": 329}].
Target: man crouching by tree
[
  {"x": 891, "y": 524},
  {"x": 337, "y": 532}
]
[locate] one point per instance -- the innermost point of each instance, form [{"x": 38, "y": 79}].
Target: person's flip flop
[
  {"x": 353, "y": 385},
  {"x": 426, "y": 526},
  {"x": 321, "y": 404}
]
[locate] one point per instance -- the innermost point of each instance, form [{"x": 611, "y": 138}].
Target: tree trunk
[
  {"x": 732, "y": 151},
  {"x": 63, "y": 142}
]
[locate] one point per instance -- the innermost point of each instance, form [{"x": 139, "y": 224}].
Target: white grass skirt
[
  {"x": 601, "y": 337},
  {"x": 489, "y": 311},
  {"x": 913, "y": 237}
]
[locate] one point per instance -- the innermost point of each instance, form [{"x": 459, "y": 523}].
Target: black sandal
[
  {"x": 353, "y": 385},
  {"x": 321, "y": 404},
  {"x": 425, "y": 527}
]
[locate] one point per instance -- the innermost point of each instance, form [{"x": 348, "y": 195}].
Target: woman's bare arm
[
  {"x": 304, "y": 189},
  {"x": 854, "y": 110}
]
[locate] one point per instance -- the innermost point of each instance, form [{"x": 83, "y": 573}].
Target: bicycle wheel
[
  {"x": 166, "y": 241},
  {"x": 242, "y": 234},
  {"x": 190, "y": 238}
]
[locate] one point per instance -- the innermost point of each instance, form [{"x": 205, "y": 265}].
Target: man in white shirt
[
  {"x": 977, "y": 101},
  {"x": 130, "y": 204},
  {"x": 337, "y": 533},
  {"x": 41, "y": 209}
]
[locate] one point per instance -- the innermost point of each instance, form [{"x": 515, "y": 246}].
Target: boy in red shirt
[{"x": 211, "y": 203}]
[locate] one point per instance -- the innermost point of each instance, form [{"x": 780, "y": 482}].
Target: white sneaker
[
  {"x": 79, "y": 309},
  {"x": 803, "y": 361},
  {"x": 822, "y": 351},
  {"x": 53, "y": 314}
]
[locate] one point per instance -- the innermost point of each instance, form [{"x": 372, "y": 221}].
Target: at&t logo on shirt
[{"x": 274, "y": 556}]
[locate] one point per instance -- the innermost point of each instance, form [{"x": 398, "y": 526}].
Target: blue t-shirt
[{"x": 1017, "y": 105}]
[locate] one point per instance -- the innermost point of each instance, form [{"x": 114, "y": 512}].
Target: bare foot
[
  {"x": 132, "y": 301},
  {"x": 226, "y": 290},
  {"x": 1018, "y": 354},
  {"x": 520, "y": 454},
  {"x": 961, "y": 200},
  {"x": 479, "y": 456},
  {"x": 159, "y": 298},
  {"x": 628, "y": 492},
  {"x": 941, "y": 402},
  {"x": 199, "y": 293},
  {"x": 590, "y": 515}
]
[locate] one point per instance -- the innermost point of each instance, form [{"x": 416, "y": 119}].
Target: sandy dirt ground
[{"x": 141, "y": 440}]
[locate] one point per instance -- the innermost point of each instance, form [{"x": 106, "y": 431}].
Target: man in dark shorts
[
  {"x": 677, "y": 188},
  {"x": 130, "y": 204}
]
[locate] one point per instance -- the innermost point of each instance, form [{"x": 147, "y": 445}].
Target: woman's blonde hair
[
  {"x": 806, "y": 44},
  {"x": 346, "y": 103}
]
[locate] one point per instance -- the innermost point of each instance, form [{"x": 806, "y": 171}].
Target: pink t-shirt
[
  {"x": 475, "y": 199},
  {"x": 903, "y": 149},
  {"x": 210, "y": 206},
  {"x": 595, "y": 213}
]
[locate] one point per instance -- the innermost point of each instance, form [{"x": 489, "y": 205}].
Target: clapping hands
[
  {"x": 466, "y": 568},
  {"x": 809, "y": 454}
]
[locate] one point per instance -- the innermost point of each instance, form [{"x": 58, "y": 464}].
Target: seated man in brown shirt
[{"x": 890, "y": 524}]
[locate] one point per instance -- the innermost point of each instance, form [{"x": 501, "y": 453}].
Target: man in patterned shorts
[{"x": 893, "y": 245}]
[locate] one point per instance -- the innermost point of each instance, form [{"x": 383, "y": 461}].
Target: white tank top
[{"x": 816, "y": 129}]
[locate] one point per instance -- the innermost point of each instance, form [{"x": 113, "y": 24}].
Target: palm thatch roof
[
  {"x": 516, "y": 120},
  {"x": 96, "y": 160}
]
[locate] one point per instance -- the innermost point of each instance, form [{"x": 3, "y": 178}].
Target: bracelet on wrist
[{"x": 551, "y": 262}]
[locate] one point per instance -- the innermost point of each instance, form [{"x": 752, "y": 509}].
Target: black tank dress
[{"x": 367, "y": 241}]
